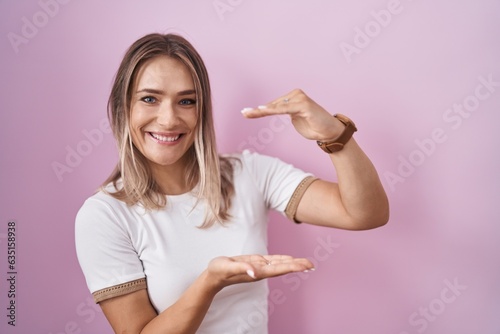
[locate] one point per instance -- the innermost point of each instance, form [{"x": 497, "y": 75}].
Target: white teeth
[{"x": 164, "y": 138}]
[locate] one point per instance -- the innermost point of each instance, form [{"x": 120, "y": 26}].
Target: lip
[{"x": 165, "y": 138}]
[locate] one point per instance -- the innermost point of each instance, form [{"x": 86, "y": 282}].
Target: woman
[{"x": 176, "y": 228}]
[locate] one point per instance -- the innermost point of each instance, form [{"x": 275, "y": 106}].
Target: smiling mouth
[{"x": 165, "y": 139}]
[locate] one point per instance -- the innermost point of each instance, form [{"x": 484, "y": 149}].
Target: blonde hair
[{"x": 205, "y": 167}]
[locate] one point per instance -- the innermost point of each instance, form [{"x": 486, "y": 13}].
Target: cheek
[
  {"x": 193, "y": 121},
  {"x": 137, "y": 121},
  {"x": 135, "y": 130},
  {"x": 132, "y": 128},
  {"x": 134, "y": 120},
  {"x": 135, "y": 135}
]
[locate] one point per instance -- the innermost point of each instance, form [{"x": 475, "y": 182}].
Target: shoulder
[
  {"x": 101, "y": 200},
  {"x": 103, "y": 209}
]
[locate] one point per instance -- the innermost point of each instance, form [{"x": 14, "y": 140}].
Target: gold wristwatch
[{"x": 338, "y": 143}]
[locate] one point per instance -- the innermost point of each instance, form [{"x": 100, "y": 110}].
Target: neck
[{"x": 172, "y": 179}]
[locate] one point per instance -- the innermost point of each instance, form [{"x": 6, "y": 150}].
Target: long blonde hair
[{"x": 213, "y": 174}]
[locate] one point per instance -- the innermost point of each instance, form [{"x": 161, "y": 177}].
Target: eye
[
  {"x": 187, "y": 102},
  {"x": 148, "y": 99}
]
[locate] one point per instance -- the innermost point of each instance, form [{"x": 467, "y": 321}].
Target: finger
[
  {"x": 291, "y": 96},
  {"x": 283, "y": 264},
  {"x": 249, "y": 263},
  {"x": 277, "y": 257},
  {"x": 238, "y": 268},
  {"x": 253, "y": 258},
  {"x": 259, "y": 260},
  {"x": 285, "y": 259},
  {"x": 290, "y": 103},
  {"x": 280, "y": 269},
  {"x": 264, "y": 266},
  {"x": 230, "y": 269},
  {"x": 288, "y": 108},
  {"x": 305, "y": 264}
]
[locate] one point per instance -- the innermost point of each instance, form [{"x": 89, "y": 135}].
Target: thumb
[
  {"x": 243, "y": 268},
  {"x": 230, "y": 267}
]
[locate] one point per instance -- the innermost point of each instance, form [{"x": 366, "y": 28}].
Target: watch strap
[{"x": 338, "y": 143}]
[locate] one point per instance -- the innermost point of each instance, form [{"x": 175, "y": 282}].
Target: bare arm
[
  {"x": 134, "y": 314},
  {"x": 358, "y": 201}
]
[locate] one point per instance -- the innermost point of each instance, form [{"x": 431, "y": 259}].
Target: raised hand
[{"x": 309, "y": 119}]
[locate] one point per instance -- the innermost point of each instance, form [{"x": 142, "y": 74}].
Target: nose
[{"x": 167, "y": 115}]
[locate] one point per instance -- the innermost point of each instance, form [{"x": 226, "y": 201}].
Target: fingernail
[
  {"x": 312, "y": 269},
  {"x": 261, "y": 107},
  {"x": 251, "y": 273},
  {"x": 244, "y": 110}
]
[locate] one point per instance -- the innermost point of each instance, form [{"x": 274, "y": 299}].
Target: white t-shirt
[{"x": 117, "y": 243}]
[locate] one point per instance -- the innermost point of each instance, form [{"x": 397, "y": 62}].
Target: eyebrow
[{"x": 161, "y": 92}]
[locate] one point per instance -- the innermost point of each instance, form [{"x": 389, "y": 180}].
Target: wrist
[
  {"x": 335, "y": 129},
  {"x": 336, "y": 144},
  {"x": 211, "y": 284}
]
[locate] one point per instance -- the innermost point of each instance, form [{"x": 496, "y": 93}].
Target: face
[{"x": 163, "y": 112}]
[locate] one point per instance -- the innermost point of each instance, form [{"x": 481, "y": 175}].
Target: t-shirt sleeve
[
  {"x": 278, "y": 181},
  {"x": 105, "y": 252}
]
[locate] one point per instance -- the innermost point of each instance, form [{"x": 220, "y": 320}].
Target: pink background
[{"x": 439, "y": 167}]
